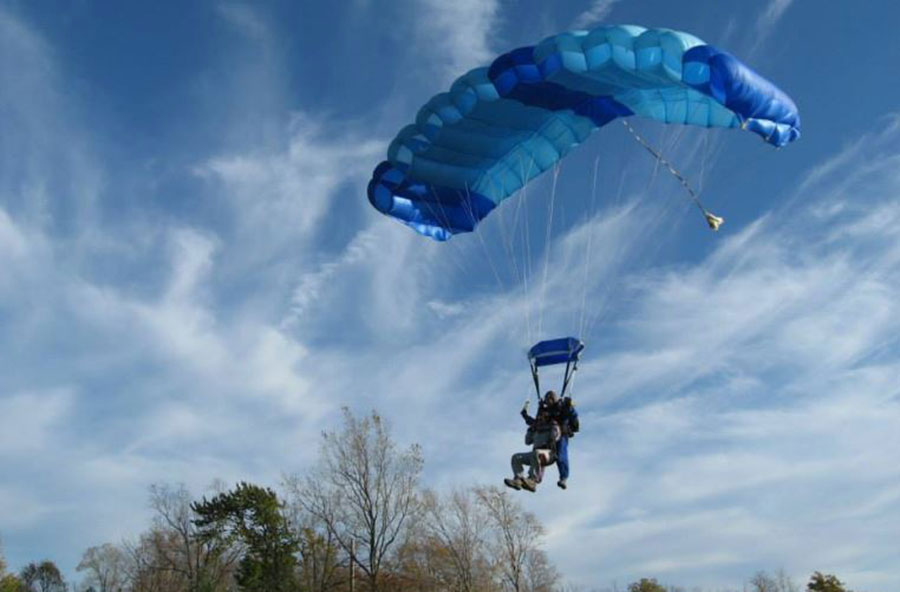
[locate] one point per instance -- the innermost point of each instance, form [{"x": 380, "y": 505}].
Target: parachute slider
[{"x": 713, "y": 220}]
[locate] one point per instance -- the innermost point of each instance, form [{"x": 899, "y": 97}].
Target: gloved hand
[{"x": 525, "y": 406}]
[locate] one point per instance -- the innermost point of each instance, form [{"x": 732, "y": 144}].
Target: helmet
[{"x": 550, "y": 398}]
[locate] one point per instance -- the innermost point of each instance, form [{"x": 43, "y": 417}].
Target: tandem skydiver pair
[{"x": 556, "y": 420}]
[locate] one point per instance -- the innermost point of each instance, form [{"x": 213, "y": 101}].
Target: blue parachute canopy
[
  {"x": 555, "y": 351},
  {"x": 501, "y": 126}
]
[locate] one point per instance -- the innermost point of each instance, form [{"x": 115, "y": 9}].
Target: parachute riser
[
  {"x": 568, "y": 378},
  {"x": 537, "y": 380}
]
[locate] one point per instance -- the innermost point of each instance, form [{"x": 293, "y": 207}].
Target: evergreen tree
[
  {"x": 646, "y": 585},
  {"x": 252, "y": 516},
  {"x": 820, "y": 582}
]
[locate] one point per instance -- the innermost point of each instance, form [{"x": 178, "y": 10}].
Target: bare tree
[
  {"x": 459, "y": 526},
  {"x": 203, "y": 562},
  {"x": 364, "y": 491},
  {"x": 780, "y": 582},
  {"x": 148, "y": 567},
  {"x": 323, "y": 564},
  {"x": 43, "y": 577},
  {"x": 763, "y": 582},
  {"x": 320, "y": 565},
  {"x": 106, "y": 568},
  {"x": 516, "y": 538},
  {"x": 785, "y": 583},
  {"x": 419, "y": 565},
  {"x": 540, "y": 574}
]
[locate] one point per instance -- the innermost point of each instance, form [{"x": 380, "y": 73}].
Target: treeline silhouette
[{"x": 358, "y": 521}]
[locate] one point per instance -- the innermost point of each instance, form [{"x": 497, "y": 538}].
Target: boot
[
  {"x": 528, "y": 485},
  {"x": 514, "y": 483}
]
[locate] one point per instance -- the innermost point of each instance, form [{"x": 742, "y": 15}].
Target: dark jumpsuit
[{"x": 564, "y": 413}]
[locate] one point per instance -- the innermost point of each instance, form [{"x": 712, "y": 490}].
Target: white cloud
[
  {"x": 48, "y": 174},
  {"x": 21, "y": 253},
  {"x": 773, "y": 13},
  {"x": 191, "y": 262},
  {"x": 596, "y": 14},
  {"x": 28, "y": 420},
  {"x": 446, "y": 310},
  {"x": 832, "y": 177},
  {"x": 280, "y": 197},
  {"x": 243, "y": 18},
  {"x": 311, "y": 285},
  {"x": 228, "y": 359},
  {"x": 459, "y": 35},
  {"x": 766, "y": 23},
  {"x": 12, "y": 241}
]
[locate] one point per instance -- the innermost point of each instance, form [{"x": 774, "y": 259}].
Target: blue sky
[{"x": 193, "y": 282}]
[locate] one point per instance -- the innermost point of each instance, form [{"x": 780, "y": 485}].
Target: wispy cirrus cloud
[
  {"x": 773, "y": 12},
  {"x": 595, "y": 14},
  {"x": 281, "y": 195},
  {"x": 312, "y": 284},
  {"x": 459, "y": 36},
  {"x": 767, "y": 22},
  {"x": 49, "y": 178},
  {"x": 454, "y": 37},
  {"x": 244, "y": 19},
  {"x": 147, "y": 360},
  {"x": 26, "y": 419}
]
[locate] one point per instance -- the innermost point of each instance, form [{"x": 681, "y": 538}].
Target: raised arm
[{"x": 528, "y": 419}]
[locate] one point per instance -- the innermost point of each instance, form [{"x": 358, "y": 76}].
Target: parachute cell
[{"x": 501, "y": 126}]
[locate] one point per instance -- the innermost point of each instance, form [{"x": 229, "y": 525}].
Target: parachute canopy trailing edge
[{"x": 501, "y": 126}]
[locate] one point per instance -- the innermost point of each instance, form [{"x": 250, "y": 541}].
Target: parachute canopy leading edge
[{"x": 501, "y": 126}]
